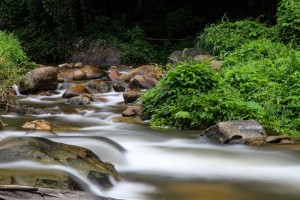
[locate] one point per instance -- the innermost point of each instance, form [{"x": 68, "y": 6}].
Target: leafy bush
[
  {"x": 225, "y": 37},
  {"x": 13, "y": 61},
  {"x": 288, "y": 23}
]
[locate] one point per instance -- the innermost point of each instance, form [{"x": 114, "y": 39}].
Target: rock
[
  {"x": 94, "y": 72},
  {"x": 179, "y": 56},
  {"x": 100, "y": 99},
  {"x": 280, "y": 139},
  {"x": 120, "y": 86},
  {"x": 237, "y": 131},
  {"x": 132, "y": 111},
  {"x": 71, "y": 74},
  {"x": 1, "y": 125},
  {"x": 114, "y": 74},
  {"x": 49, "y": 153},
  {"x": 149, "y": 71},
  {"x": 127, "y": 119},
  {"x": 202, "y": 58},
  {"x": 97, "y": 86},
  {"x": 216, "y": 65},
  {"x": 75, "y": 91},
  {"x": 18, "y": 192},
  {"x": 66, "y": 66},
  {"x": 38, "y": 125},
  {"x": 140, "y": 82},
  {"x": 44, "y": 78},
  {"x": 131, "y": 96},
  {"x": 78, "y": 65},
  {"x": 25, "y": 109},
  {"x": 79, "y": 100},
  {"x": 97, "y": 52}
]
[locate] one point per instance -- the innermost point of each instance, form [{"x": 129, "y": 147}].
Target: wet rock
[
  {"x": 25, "y": 109},
  {"x": 119, "y": 86},
  {"x": 94, "y": 72},
  {"x": 132, "y": 111},
  {"x": 66, "y": 66},
  {"x": 131, "y": 96},
  {"x": 44, "y": 78},
  {"x": 46, "y": 152},
  {"x": 38, "y": 125},
  {"x": 71, "y": 74},
  {"x": 78, "y": 65},
  {"x": 97, "y": 86},
  {"x": 21, "y": 192},
  {"x": 97, "y": 52},
  {"x": 100, "y": 99},
  {"x": 149, "y": 71},
  {"x": 114, "y": 74},
  {"x": 75, "y": 91},
  {"x": 279, "y": 139},
  {"x": 140, "y": 82},
  {"x": 1, "y": 125},
  {"x": 79, "y": 100},
  {"x": 237, "y": 132},
  {"x": 127, "y": 119}
]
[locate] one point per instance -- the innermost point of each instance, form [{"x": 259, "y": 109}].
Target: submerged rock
[
  {"x": 44, "y": 151},
  {"x": 237, "y": 132},
  {"x": 38, "y": 125},
  {"x": 120, "y": 119},
  {"x": 79, "y": 100},
  {"x": 43, "y": 78}
]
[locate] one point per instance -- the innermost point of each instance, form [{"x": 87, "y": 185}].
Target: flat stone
[
  {"x": 38, "y": 125},
  {"x": 237, "y": 131},
  {"x": 120, "y": 119},
  {"x": 279, "y": 139}
]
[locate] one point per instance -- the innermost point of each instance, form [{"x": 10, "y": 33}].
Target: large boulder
[
  {"x": 140, "y": 82},
  {"x": 46, "y": 152},
  {"x": 75, "y": 91},
  {"x": 149, "y": 71},
  {"x": 94, "y": 72},
  {"x": 237, "y": 132},
  {"x": 179, "y": 56},
  {"x": 97, "y": 53},
  {"x": 42, "y": 78},
  {"x": 71, "y": 74}
]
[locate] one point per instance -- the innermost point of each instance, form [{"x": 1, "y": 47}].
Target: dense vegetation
[
  {"x": 145, "y": 31},
  {"x": 13, "y": 61},
  {"x": 259, "y": 78}
]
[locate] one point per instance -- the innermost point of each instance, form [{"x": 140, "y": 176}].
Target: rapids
[{"x": 160, "y": 163}]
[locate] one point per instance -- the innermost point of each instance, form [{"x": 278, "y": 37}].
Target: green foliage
[
  {"x": 225, "y": 37},
  {"x": 288, "y": 22},
  {"x": 13, "y": 61}
]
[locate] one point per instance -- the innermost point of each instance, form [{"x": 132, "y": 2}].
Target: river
[{"x": 164, "y": 164}]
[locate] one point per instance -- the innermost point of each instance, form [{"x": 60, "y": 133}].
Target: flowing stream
[{"x": 161, "y": 163}]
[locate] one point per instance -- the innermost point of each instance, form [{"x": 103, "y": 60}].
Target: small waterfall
[{"x": 16, "y": 89}]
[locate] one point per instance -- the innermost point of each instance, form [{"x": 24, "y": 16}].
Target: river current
[{"x": 159, "y": 163}]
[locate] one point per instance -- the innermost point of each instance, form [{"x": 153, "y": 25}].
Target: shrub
[
  {"x": 288, "y": 23},
  {"x": 224, "y": 37},
  {"x": 13, "y": 61}
]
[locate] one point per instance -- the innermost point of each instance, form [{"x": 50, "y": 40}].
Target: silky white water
[{"x": 164, "y": 163}]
